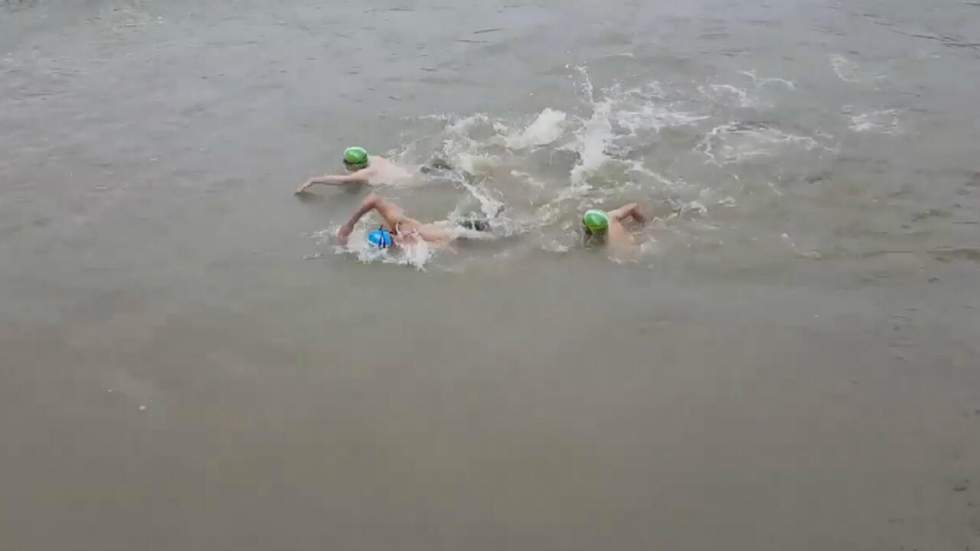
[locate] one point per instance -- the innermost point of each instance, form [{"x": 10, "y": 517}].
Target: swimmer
[
  {"x": 401, "y": 230},
  {"x": 608, "y": 228},
  {"x": 362, "y": 169}
]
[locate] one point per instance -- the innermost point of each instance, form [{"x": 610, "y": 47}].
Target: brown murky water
[{"x": 188, "y": 362}]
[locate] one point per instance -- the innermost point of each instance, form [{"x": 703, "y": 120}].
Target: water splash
[
  {"x": 766, "y": 81},
  {"x": 849, "y": 71},
  {"x": 591, "y": 143},
  {"x": 417, "y": 255},
  {"x": 547, "y": 128},
  {"x": 531, "y": 175},
  {"x": 845, "y": 69},
  {"x": 884, "y": 121},
  {"x": 729, "y": 94},
  {"x": 737, "y": 142}
]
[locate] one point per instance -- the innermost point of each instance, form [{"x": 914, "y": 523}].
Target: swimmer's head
[
  {"x": 595, "y": 222},
  {"x": 355, "y": 158},
  {"x": 381, "y": 238}
]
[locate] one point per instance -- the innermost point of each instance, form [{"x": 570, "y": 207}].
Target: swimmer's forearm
[
  {"x": 348, "y": 228},
  {"x": 328, "y": 180},
  {"x": 310, "y": 183},
  {"x": 367, "y": 205}
]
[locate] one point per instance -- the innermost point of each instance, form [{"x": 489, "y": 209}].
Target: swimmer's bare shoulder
[
  {"x": 384, "y": 171},
  {"x": 361, "y": 169}
]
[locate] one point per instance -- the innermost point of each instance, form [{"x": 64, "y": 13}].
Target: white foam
[
  {"x": 546, "y": 129},
  {"x": 476, "y": 163},
  {"x": 764, "y": 81},
  {"x": 653, "y": 117},
  {"x": 849, "y": 71},
  {"x": 458, "y": 143},
  {"x": 695, "y": 207},
  {"x": 586, "y": 84},
  {"x": 845, "y": 69},
  {"x": 633, "y": 111},
  {"x": 593, "y": 135},
  {"x": 812, "y": 255},
  {"x": 463, "y": 125},
  {"x": 614, "y": 127},
  {"x": 638, "y": 166},
  {"x": 734, "y": 143},
  {"x": 555, "y": 246},
  {"x": 527, "y": 178},
  {"x": 646, "y": 108},
  {"x": 885, "y": 121},
  {"x": 490, "y": 207},
  {"x": 611, "y": 130},
  {"x": 728, "y": 94},
  {"x": 433, "y": 117},
  {"x": 416, "y": 255},
  {"x": 591, "y": 145},
  {"x": 547, "y": 213}
]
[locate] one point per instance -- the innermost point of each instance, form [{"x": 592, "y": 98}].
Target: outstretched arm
[
  {"x": 359, "y": 177},
  {"x": 391, "y": 213},
  {"x": 627, "y": 211}
]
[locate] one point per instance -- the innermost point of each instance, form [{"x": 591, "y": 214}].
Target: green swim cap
[
  {"x": 596, "y": 221},
  {"x": 356, "y": 156}
]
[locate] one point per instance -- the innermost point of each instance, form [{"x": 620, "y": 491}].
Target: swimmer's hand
[
  {"x": 306, "y": 185},
  {"x": 344, "y": 232}
]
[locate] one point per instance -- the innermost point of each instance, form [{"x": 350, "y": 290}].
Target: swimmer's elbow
[
  {"x": 362, "y": 176},
  {"x": 371, "y": 200}
]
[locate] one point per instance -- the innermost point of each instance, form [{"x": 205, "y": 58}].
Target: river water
[{"x": 188, "y": 361}]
